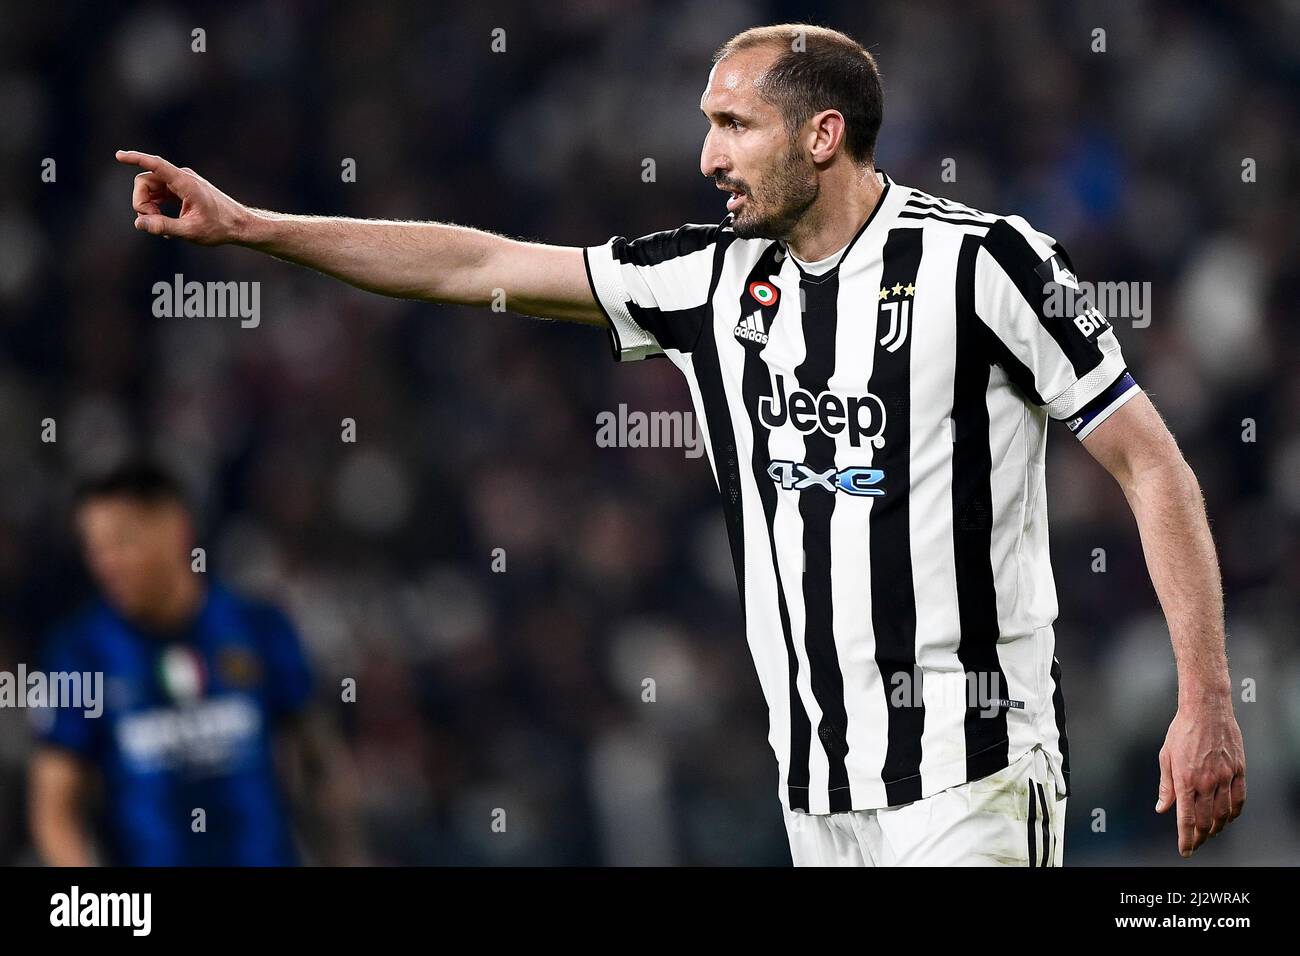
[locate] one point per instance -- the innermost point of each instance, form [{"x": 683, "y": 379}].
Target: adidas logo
[{"x": 751, "y": 329}]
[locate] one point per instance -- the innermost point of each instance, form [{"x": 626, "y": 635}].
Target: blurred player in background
[{"x": 207, "y": 738}]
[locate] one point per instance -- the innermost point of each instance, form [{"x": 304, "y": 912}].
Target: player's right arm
[
  {"x": 435, "y": 262},
  {"x": 58, "y": 781}
]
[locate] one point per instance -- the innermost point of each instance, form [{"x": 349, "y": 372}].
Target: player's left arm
[
  {"x": 321, "y": 788},
  {"x": 1203, "y": 762},
  {"x": 311, "y": 759}
]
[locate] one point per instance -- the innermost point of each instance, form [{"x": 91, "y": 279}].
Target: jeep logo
[{"x": 862, "y": 416}]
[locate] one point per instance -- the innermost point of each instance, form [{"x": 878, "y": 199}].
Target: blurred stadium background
[{"x": 477, "y": 430}]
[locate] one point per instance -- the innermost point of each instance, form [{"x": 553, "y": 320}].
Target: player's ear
[{"x": 826, "y": 135}]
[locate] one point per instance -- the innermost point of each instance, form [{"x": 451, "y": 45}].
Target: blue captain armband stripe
[{"x": 1103, "y": 406}]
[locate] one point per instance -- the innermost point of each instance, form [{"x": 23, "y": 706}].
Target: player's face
[
  {"x": 134, "y": 550},
  {"x": 749, "y": 151}
]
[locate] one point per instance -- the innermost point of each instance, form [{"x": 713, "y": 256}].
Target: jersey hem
[
  {"x": 979, "y": 765},
  {"x": 1068, "y": 403}
]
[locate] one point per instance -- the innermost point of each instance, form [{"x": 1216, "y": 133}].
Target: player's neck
[
  {"x": 176, "y": 608},
  {"x": 835, "y": 217}
]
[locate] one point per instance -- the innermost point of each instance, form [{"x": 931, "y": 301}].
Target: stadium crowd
[{"x": 514, "y": 679}]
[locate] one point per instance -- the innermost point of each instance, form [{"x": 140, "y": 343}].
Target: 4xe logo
[
  {"x": 862, "y": 416},
  {"x": 796, "y": 476}
]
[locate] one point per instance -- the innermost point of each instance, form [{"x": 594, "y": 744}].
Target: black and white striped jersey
[{"x": 876, "y": 423}]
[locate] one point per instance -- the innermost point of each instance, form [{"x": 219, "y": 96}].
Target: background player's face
[
  {"x": 134, "y": 550},
  {"x": 749, "y": 149}
]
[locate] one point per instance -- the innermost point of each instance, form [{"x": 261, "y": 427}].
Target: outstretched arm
[
  {"x": 411, "y": 260},
  {"x": 1203, "y": 762}
]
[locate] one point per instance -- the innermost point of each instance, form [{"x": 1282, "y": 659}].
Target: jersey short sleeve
[
  {"x": 289, "y": 677},
  {"x": 654, "y": 290},
  {"x": 70, "y": 727},
  {"x": 1054, "y": 344}
]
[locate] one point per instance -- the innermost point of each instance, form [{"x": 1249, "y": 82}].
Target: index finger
[{"x": 155, "y": 164}]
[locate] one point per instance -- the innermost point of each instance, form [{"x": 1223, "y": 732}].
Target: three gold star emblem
[{"x": 898, "y": 289}]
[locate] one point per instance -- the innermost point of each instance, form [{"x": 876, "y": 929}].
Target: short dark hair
[
  {"x": 142, "y": 481},
  {"x": 819, "y": 69}
]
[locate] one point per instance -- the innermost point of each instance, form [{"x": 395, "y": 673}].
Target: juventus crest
[{"x": 896, "y": 304}]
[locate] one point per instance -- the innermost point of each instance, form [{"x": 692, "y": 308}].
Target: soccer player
[
  {"x": 875, "y": 368},
  {"x": 200, "y": 689}
]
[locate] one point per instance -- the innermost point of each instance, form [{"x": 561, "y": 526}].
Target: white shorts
[{"x": 1015, "y": 817}]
